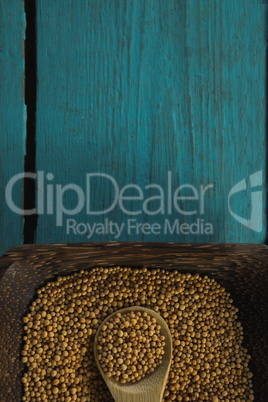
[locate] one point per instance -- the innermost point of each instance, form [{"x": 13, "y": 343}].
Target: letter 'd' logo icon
[{"x": 255, "y": 221}]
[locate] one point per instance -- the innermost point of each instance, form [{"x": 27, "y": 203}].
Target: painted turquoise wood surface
[
  {"x": 12, "y": 117},
  {"x": 135, "y": 89}
]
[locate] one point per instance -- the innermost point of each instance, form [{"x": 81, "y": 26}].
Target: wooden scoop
[{"x": 151, "y": 387}]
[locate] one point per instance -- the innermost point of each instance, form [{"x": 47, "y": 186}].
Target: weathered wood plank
[
  {"x": 135, "y": 89},
  {"x": 12, "y": 117}
]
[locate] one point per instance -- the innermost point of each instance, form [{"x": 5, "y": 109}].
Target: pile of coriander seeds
[{"x": 209, "y": 361}]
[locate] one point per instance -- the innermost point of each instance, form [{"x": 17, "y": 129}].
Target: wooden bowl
[{"x": 242, "y": 269}]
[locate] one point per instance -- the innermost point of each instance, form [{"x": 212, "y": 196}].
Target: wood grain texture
[
  {"x": 136, "y": 88},
  {"x": 241, "y": 269},
  {"x": 12, "y": 117}
]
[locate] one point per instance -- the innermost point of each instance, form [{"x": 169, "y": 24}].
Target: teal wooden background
[
  {"x": 12, "y": 117},
  {"x": 135, "y": 89}
]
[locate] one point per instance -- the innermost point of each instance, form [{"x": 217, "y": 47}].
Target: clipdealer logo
[
  {"x": 255, "y": 182},
  {"x": 132, "y": 200}
]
